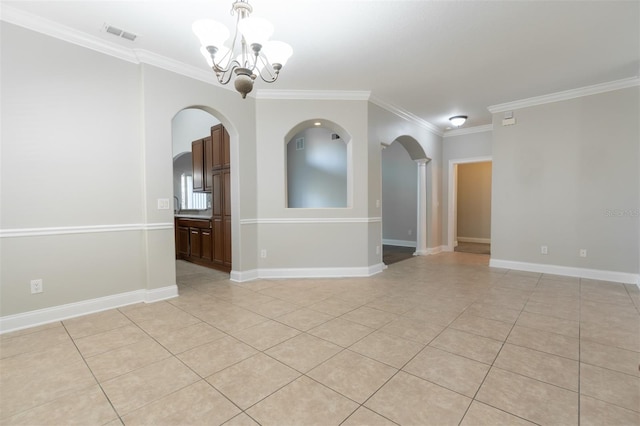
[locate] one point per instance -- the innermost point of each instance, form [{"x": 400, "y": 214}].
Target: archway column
[{"x": 421, "y": 229}]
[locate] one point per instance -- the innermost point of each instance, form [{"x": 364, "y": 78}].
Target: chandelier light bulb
[
  {"x": 210, "y": 32},
  {"x": 278, "y": 52},
  {"x": 255, "y": 30}
]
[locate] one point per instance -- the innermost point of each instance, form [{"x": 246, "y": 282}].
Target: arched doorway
[
  {"x": 202, "y": 188},
  {"x": 416, "y": 197}
]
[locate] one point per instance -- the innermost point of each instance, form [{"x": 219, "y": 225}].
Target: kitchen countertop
[{"x": 203, "y": 215}]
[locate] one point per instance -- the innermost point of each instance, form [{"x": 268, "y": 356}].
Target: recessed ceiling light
[
  {"x": 458, "y": 120},
  {"x": 317, "y": 123}
]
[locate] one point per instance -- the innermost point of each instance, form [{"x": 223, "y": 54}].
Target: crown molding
[
  {"x": 62, "y": 32},
  {"x": 332, "y": 95},
  {"x": 70, "y": 35},
  {"x": 150, "y": 58},
  {"x": 566, "y": 95},
  {"x": 406, "y": 115},
  {"x": 468, "y": 130}
]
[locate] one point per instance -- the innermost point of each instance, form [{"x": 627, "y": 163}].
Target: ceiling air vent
[{"x": 120, "y": 33}]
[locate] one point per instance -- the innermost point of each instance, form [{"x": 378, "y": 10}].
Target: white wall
[
  {"x": 559, "y": 176},
  {"x": 399, "y": 196},
  {"x": 71, "y": 157}
]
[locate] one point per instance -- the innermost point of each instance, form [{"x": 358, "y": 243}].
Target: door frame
[{"x": 452, "y": 215}]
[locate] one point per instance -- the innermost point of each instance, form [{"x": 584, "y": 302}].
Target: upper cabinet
[
  {"x": 220, "y": 147},
  {"x": 209, "y": 154},
  {"x": 197, "y": 160},
  {"x": 201, "y": 153}
]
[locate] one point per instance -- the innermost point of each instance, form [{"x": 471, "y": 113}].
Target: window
[{"x": 191, "y": 200}]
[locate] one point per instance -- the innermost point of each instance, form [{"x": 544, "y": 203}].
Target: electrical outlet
[
  {"x": 163, "y": 204},
  {"x": 544, "y": 250},
  {"x": 583, "y": 252},
  {"x": 409, "y": 232},
  {"x": 36, "y": 286},
  {"x": 377, "y": 249},
  {"x": 263, "y": 253}
]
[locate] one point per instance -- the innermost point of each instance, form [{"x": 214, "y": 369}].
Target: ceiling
[{"x": 433, "y": 59}]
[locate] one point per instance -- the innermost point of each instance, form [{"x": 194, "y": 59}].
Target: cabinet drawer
[{"x": 195, "y": 223}]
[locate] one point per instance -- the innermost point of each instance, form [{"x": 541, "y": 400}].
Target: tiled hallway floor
[{"x": 437, "y": 340}]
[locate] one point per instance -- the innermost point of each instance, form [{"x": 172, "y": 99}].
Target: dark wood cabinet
[
  {"x": 194, "y": 239},
  {"x": 197, "y": 161},
  {"x": 201, "y": 160},
  {"x": 182, "y": 241},
  {"x": 209, "y": 243}
]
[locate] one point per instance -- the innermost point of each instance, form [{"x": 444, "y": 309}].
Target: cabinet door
[
  {"x": 208, "y": 163},
  {"x": 195, "y": 240},
  {"x": 217, "y": 192},
  {"x": 197, "y": 158},
  {"x": 226, "y": 154},
  {"x": 182, "y": 243},
  {"x": 217, "y": 132},
  {"x": 206, "y": 244},
  {"x": 218, "y": 244}
]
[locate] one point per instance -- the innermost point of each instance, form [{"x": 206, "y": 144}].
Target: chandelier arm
[
  {"x": 267, "y": 68},
  {"x": 224, "y": 76}
]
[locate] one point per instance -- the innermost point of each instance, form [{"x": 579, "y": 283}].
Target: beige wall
[
  {"x": 559, "y": 177},
  {"x": 474, "y": 202}
]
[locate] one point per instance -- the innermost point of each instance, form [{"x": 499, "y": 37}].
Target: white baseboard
[
  {"x": 244, "y": 276},
  {"x": 399, "y": 243},
  {"x": 365, "y": 271},
  {"x": 595, "y": 274},
  {"x": 474, "y": 240},
  {"x": 430, "y": 250},
  {"x": 58, "y": 313}
]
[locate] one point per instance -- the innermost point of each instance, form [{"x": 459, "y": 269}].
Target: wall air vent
[
  {"x": 299, "y": 144},
  {"x": 120, "y": 33}
]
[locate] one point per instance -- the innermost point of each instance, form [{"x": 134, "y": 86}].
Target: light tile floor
[{"x": 435, "y": 340}]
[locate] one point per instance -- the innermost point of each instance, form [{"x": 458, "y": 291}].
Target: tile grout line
[
  {"x": 500, "y": 350},
  {"x": 92, "y": 373}
]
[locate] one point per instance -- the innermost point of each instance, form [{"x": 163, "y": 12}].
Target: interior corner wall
[
  {"x": 459, "y": 149},
  {"x": 566, "y": 176}
]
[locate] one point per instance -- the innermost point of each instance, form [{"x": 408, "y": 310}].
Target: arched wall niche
[{"x": 318, "y": 158}]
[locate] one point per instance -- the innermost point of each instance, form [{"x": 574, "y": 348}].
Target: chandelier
[{"x": 249, "y": 54}]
